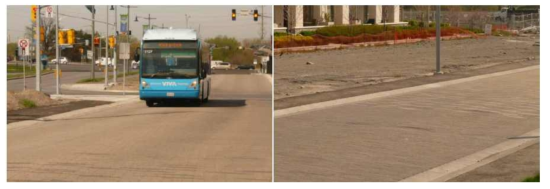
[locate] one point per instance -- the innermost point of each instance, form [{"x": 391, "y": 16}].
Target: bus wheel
[{"x": 150, "y": 103}]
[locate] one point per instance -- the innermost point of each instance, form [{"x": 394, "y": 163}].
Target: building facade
[{"x": 296, "y": 18}]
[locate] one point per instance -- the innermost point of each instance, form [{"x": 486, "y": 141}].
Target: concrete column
[
  {"x": 279, "y": 15},
  {"x": 375, "y": 12},
  {"x": 341, "y": 15}
]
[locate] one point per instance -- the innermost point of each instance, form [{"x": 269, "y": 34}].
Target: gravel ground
[
  {"x": 14, "y": 99},
  {"x": 339, "y": 69}
]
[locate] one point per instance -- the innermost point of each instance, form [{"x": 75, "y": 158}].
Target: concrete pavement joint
[
  {"x": 463, "y": 165},
  {"x": 332, "y": 103},
  {"x": 25, "y": 124}
]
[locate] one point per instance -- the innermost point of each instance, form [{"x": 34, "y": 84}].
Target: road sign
[
  {"x": 244, "y": 12},
  {"x": 124, "y": 51},
  {"x": 90, "y": 54},
  {"x": 124, "y": 23},
  {"x": 23, "y": 43},
  {"x": 87, "y": 42},
  {"x": 49, "y": 12}
]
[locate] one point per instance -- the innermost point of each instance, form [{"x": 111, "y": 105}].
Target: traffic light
[
  {"x": 112, "y": 41},
  {"x": 96, "y": 41},
  {"x": 42, "y": 34},
  {"x": 34, "y": 8},
  {"x": 256, "y": 15},
  {"x": 70, "y": 37},
  {"x": 233, "y": 14},
  {"x": 61, "y": 38}
]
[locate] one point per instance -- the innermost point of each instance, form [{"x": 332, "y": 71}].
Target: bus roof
[{"x": 170, "y": 34}]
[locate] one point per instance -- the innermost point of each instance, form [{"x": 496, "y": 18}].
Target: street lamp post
[{"x": 37, "y": 49}]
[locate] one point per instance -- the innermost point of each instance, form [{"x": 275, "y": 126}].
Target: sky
[{"x": 213, "y": 20}]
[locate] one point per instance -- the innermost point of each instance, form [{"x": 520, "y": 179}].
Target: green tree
[{"x": 11, "y": 49}]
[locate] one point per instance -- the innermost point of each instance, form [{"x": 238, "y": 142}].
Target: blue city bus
[{"x": 171, "y": 67}]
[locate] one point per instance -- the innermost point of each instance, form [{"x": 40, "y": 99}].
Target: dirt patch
[
  {"x": 18, "y": 99},
  {"x": 334, "y": 70},
  {"x": 44, "y": 111}
]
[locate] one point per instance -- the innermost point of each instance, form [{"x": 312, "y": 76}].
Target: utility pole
[
  {"x": 57, "y": 49},
  {"x": 37, "y": 50},
  {"x": 92, "y": 42},
  {"x": 107, "y": 49},
  {"x": 438, "y": 41}
]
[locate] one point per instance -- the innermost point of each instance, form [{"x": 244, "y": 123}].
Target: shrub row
[{"x": 298, "y": 40}]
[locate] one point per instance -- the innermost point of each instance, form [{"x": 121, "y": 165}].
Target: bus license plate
[{"x": 170, "y": 94}]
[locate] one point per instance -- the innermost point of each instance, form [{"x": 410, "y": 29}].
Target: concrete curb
[
  {"x": 95, "y": 87},
  {"x": 460, "y": 166},
  {"x": 25, "y": 124},
  {"x": 29, "y": 76},
  {"x": 109, "y": 98},
  {"x": 332, "y": 103}
]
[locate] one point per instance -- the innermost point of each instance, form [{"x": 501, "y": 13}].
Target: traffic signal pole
[
  {"x": 115, "y": 56},
  {"x": 37, "y": 50},
  {"x": 57, "y": 49},
  {"x": 107, "y": 51},
  {"x": 92, "y": 43}
]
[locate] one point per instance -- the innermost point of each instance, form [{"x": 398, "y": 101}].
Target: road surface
[
  {"x": 392, "y": 138},
  {"x": 226, "y": 139}
]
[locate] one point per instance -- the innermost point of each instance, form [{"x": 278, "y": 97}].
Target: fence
[{"x": 476, "y": 20}]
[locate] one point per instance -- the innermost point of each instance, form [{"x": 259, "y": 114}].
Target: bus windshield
[{"x": 165, "y": 60}]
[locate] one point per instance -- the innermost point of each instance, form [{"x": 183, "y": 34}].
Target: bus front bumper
[{"x": 168, "y": 94}]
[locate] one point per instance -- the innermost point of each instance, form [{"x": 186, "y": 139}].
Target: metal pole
[
  {"x": 57, "y": 49},
  {"x": 127, "y": 40},
  {"x": 37, "y": 50},
  {"x": 114, "y": 49},
  {"x": 92, "y": 43},
  {"x": 25, "y": 59},
  {"x": 149, "y": 21},
  {"x": 107, "y": 50},
  {"x": 124, "y": 78},
  {"x": 438, "y": 40}
]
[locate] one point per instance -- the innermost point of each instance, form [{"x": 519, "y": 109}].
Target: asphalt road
[
  {"x": 226, "y": 139},
  {"x": 392, "y": 138}
]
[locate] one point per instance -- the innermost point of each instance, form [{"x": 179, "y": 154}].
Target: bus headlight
[
  {"x": 193, "y": 84},
  {"x": 144, "y": 84}
]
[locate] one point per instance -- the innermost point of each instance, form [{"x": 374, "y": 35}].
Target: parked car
[
  {"x": 214, "y": 64},
  {"x": 62, "y": 60},
  {"x": 246, "y": 67},
  {"x": 104, "y": 60},
  {"x": 223, "y": 66}
]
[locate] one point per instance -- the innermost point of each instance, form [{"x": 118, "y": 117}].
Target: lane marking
[
  {"x": 463, "y": 165},
  {"x": 343, "y": 101}
]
